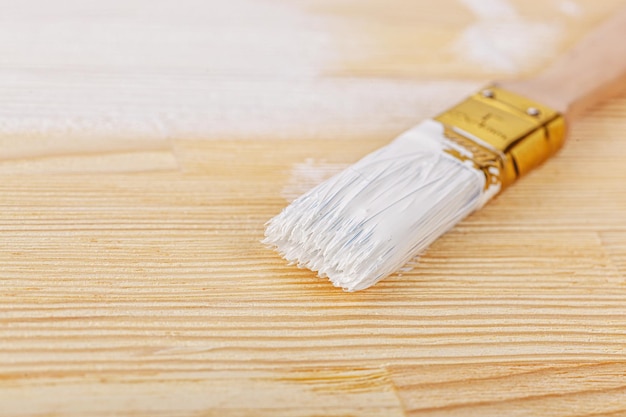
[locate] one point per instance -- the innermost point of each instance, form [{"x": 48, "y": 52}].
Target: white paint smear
[
  {"x": 102, "y": 70},
  {"x": 306, "y": 175},
  {"x": 491, "y": 9},
  {"x": 570, "y": 8},
  {"x": 502, "y": 41},
  {"x": 152, "y": 68}
]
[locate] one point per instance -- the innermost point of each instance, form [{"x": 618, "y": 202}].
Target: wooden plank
[{"x": 132, "y": 277}]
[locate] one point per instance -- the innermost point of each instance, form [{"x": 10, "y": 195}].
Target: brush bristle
[{"x": 372, "y": 218}]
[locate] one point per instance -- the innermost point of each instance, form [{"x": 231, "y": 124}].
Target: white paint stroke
[
  {"x": 501, "y": 40},
  {"x": 306, "y": 175},
  {"x": 570, "y": 8},
  {"x": 154, "y": 70},
  {"x": 491, "y": 9},
  {"x": 151, "y": 68}
]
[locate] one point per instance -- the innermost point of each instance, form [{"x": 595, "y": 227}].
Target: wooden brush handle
[{"x": 593, "y": 71}]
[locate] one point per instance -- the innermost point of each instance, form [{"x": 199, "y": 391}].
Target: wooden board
[{"x": 133, "y": 283}]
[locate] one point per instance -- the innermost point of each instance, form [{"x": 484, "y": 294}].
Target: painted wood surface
[{"x": 132, "y": 280}]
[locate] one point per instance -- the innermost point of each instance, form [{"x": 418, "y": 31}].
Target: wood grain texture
[{"x": 133, "y": 283}]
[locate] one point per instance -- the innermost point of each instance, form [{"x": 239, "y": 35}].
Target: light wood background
[{"x": 132, "y": 280}]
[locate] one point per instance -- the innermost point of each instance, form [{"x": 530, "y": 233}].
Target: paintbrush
[{"x": 372, "y": 218}]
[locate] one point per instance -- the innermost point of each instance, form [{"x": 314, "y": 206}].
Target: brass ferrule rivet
[{"x": 533, "y": 111}]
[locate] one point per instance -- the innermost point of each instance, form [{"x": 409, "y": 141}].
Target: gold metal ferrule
[{"x": 505, "y": 135}]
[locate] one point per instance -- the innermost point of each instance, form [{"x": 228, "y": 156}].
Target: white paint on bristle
[{"x": 369, "y": 220}]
